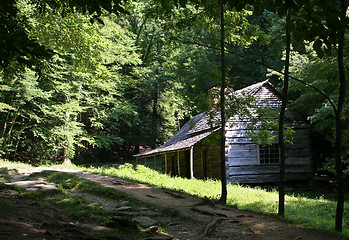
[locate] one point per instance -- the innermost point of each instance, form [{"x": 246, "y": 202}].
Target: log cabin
[{"x": 194, "y": 151}]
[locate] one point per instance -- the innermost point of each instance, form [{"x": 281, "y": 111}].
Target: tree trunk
[
  {"x": 223, "y": 198},
  {"x": 67, "y": 144},
  {"x": 66, "y": 159},
  {"x": 339, "y": 123},
  {"x": 155, "y": 115},
  {"x": 281, "y": 140}
]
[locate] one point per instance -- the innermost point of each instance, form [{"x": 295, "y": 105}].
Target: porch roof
[
  {"x": 180, "y": 145},
  {"x": 181, "y": 139}
]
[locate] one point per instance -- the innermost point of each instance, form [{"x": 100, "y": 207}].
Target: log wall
[
  {"x": 244, "y": 166},
  {"x": 209, "y": 168},
  {"x": 242, "y": 154}
]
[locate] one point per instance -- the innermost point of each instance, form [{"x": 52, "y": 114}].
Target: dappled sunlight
[
  {"x": 262, "y": 227},
  {"x": 149, "y": 185},
  {"x": 316, "y": 213},
  {"x": 136, "y": 186},
  {"x": 248, "y": 198}
]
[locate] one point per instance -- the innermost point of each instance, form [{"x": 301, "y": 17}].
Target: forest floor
[{"x": 179, "y": 216}]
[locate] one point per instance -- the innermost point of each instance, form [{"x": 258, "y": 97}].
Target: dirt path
[
  {"x": 230, "y": 223},
  {"x": 234, "y": 224}
]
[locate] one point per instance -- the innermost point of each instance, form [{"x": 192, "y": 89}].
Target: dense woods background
[{"x": 95, "y": 87}]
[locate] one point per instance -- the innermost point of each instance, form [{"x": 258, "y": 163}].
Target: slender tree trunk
[
  {"x": 66, "y": 159},
  {"x": 339, "y": 123},
  {"x": 282, "y": 146},
  {"x": 155, "y": 114},
  {"x": 223, "y": 198}
]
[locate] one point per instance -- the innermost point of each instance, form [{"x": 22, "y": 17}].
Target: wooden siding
[
  {"x": 242, "y": 154},
  {"x": 173, "y": 168},
  {"x": 268, "y": 178},
  {"x": 243, "y": 162},
  {"x": 265, "y": 169},
  {"x": 213, "y": 161}
]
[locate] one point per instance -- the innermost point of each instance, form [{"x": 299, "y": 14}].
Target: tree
[
  {"x": 19, "y": 46},
  {"x": 156, "y": 92},
  {"x": 223, "y": 198},
  {"x": 281, "y": 140},
  {"x": 328, "y": 33},
  {"x": 77, "y": 92}
]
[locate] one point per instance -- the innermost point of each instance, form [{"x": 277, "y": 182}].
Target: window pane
[{"x": 269, "y": 154}]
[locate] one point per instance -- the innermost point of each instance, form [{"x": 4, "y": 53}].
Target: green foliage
[
  {"x": 17, "y": 46},
  {"x": 72, "y": 101},
  {"x": 132, "y": 81},
  {"x": 20, "y": 46},
  {"x": 137, "y": 78},
  {"x": 323, "y": 74}
]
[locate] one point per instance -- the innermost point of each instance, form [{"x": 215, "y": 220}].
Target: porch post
[
  {"x": 192, "y": 162},
  {"x": 179, "y": 167},
  {"x": 155, "y": 162},
  {"x": 137, "y": 160}
]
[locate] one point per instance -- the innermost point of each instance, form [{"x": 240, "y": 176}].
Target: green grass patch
[
  {"x": 82, "y": 209},
  {"x": 13, "y": 166},
  {"x": 315, "y": 212},
  {"x": 5, "y": 173},
  {"x": 67, "y": 182},
  {"x": 5, "y": 206}
]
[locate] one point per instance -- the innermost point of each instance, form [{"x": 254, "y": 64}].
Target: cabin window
[{"x": 269, "y": 154}]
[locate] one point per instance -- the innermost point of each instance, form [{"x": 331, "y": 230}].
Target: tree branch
[{"x": 267, "y": 66}]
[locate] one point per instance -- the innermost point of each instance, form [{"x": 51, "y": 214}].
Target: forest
[
  {"x": 98, "y": 81},
  {"x": 93, "y": 87}
]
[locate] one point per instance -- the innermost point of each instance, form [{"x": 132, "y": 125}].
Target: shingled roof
[
  {"x": 199, "y": 127},
  {"x": 180, "y": 140}
]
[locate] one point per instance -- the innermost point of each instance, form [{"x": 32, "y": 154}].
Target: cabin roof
[
  {"x": 199, "y": 127},
  {"x": 182, "y": 139}
]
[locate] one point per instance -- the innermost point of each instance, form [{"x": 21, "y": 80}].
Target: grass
[
  {"x": 315, "y": 212},
  {"x": 8, "y": 166},
  {"x": 311, "y": 210},
  {"x": 68, "y": 182},
  {"x": 5, "y": 206},
  {"x": 82, "y": 209}
]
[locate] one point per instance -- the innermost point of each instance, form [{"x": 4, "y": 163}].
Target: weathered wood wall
[
  {"x": 173, "y": 168},
  {"x": 243, "y": 155},
  {"x": 212, "y": 164}
]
